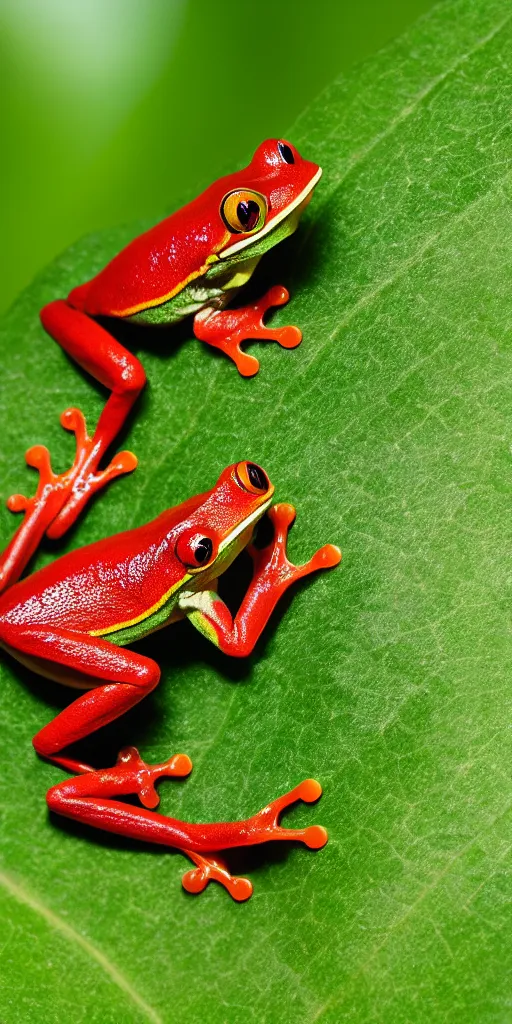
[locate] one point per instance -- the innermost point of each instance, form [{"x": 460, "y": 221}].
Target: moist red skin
[
  {"x": 50, "y": 623},
  {"x": 111, "y": 581},
  {"x": 146, "y": 274},
  {"x": 119, "y": 578},
  {"x": 51, "y": 620},
  {"x": 160, "y": 260}
]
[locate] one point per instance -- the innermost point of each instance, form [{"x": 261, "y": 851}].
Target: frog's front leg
[
  {"x": 115, "y": 678},
  {"x": 273, "y": 574},
  {"x": 90, "y": 799},
  {"x": 226, "y": 329}
]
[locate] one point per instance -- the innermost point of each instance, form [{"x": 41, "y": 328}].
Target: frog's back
[
  {"x": 157, "y": 265},
  {"x": 101, "y": 585}
]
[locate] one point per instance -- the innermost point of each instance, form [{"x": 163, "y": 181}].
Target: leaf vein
[
  {"x": 373, "y": 293},
  {"x": 360, "y": 155},
  {"x": 28, "y": 899},
  {"x": 422, "y": 895}
]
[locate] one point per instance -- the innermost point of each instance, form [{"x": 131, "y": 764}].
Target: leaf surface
[{"x": 388, "y": 679}]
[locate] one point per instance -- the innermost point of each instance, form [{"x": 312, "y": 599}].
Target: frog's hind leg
[
  {"x": 115, "y": 679},
  {"x": 52, "y": 494},
  {"x": 110, "y": 363},
  {"x": 91, "y": 799},
  {"x": 60, "y": 497},
  {"x": 261, "y": 828}
]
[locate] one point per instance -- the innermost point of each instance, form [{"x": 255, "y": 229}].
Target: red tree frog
[
  {"x": 71, "y": 620},
  {"x": 194, "y": 262}
]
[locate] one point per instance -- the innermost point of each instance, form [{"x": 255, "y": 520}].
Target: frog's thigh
[
  {"x": 76, "y": 659},
  {"x": 51, "y": 670}
]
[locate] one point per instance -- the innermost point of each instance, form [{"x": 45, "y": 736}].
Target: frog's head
[
  {"x": 243, "y": 214},
  {"x": 262, "y": 203},
  {"x": 220, "y": 523}
]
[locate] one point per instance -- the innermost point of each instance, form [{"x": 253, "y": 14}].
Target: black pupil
[
  {"x": 257, "y": 477},
  {"x": 203, "y": 550},
  {"x": 286, "y": 153},
  {"x": 248, "y": 213}
]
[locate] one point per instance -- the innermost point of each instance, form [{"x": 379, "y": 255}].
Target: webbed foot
[
  {"x": 262, "y": 827},
  {"x": 271, "y": 562},
  {"x": 226, "y": 329}
]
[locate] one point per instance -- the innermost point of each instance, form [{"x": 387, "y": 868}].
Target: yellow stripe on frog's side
[
  {"x": 184, "y": 579},
  {"x": 170, "y": 295},
  {"x": 144, "y": 615}
]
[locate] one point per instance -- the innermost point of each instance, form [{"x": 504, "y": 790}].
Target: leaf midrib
[{"x": 29, "y": 899}]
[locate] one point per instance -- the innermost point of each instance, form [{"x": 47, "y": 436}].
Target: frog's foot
[
  {"x": 84, "y": 478},
  {"x": 129, "y": 776},
  {"x": 265, "y": 824},
  {"x": 227, "y": 329},
  {"x": 92, "y": 798},
  {"x": 141, "y": 777},
  {"x": 271, "y": 564},
  {"x": 213, "y": 869},
  {"x": 261, "y": 828},
  {"x": 59, "y": 497}
]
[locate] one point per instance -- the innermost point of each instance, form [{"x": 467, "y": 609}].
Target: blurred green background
[{"x": 114, "y": 108}]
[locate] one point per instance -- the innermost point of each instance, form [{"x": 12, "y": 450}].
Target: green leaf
[{"x": 387, "y": 679}]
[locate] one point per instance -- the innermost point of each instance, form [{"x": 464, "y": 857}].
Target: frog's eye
[
  {"x": 194, "y": 549},
  {"x": 252, "y": 477},
  {"x": 243, "y": 211},
  {"x": 286, "y": 152}
]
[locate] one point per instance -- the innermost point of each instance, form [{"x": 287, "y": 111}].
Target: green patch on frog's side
[{"x": 217, "y": 281}]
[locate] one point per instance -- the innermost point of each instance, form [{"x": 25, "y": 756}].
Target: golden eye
[{"x": 243, "y": 211}]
